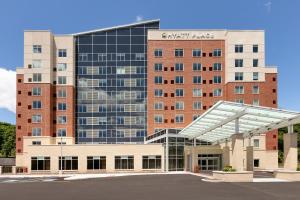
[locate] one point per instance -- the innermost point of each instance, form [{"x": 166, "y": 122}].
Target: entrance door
[{"x": 209, "y": 162}]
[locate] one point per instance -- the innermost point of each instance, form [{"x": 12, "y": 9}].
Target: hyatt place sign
[{"x": 186, "y": 36}]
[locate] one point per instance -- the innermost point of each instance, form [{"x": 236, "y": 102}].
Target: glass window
[
  {"x": 61, "y": 106},
  {"x": 196, "y": 66},
  {"x": 196, "y": 52},
  {"x": 158, "y": 67},
  {"x": 36, "y": 63},
  {"x": 62, "y": 52},
  {"x": 62, "y": 132},
  {"x": 255, "y": 62},
  {"x": 256, "y": 162},
  {"x": 217, "y": 79},
  {"x": 195, "y": 117},
  {"x": 179, "y": 66},
  {"x": 158, "y": 53},
  {"x": 96, "y": 162},
  {"x": 37, "y": 77},
  {"x": 255, "y": 89},
  {"x": 217, "y": 67},
  {"x": 255, "y": 76},
  {"x": 197, "y": 92},
  {"x": 217, "y": 92},
  {"x": 139, "y": 56},
  {"x": 217, "y": 53},
  {"x": 152, "y": 162},
  {"x": 158, "y": 119},
  {"x": 36, "y": 131},
  {"x": 82, "y": 134},
  {"x": 255, "y": 48},
  {"x": 120, "y": 56},
  {"x": 36, "y": 91},
  {"x": 238, "y": 63},
  {"x": 179, "y": 79},
  {"x": 239, "y": 76},
  {"x": 178, "y": 52},
  {"x": 197, "y": 79},
  {"x": 158, "y": 93},
  {"x": 61, "y": 66},
  {"x": 239, "y": 100},
  {"x": 62, "y": 93},
  {"x": 158, "y": 105},
  {"x": 158, "y": 80},
  {"x": 62, "y": 80},
  {"x": 120, "y": 119},
  {"x": 197, "y": 105},
  {"x": 81, "y": 108},
  {"x": 255, "y": 102},
  {"x": 179, "y": 92},
  {"x": 68, "y": 163},
  {"x": 36, "y": 104},
  {"x": 179, "y": 105},
  {"x": 179, "y": 118},
  {"x": 37, "y": 48},
  {"x": 239, "y": 89},
  {"x": 238, "y": 48},
  {"x": 62, "y": 119},
  {"x": 124, "y": 162},
  {"x": 256, "y": 143},
  {"x": 40, "y": 163},
  {"x": 37, "y": 118}
]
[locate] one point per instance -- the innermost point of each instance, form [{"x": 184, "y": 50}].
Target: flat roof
[{"x": 226, "y": 118}]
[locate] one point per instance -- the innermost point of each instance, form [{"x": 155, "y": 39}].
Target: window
[
  {"x": 61, "y": 66},
  {"x": 196, "y": 52},
  {"x": 158, "y": 80},
  {"x": 120, "y": 70},
  {"x": 178, "y": 52},
  {"x": 179, "y": 118},
  {"x": 158, "y": 119},
  {"x": 256, "y": 143},
  {"x": 120, "y": 82},
  {"x": 36, "y": 143},
  {"x": 255, "y": 76},
  {"x": 62, "y": 52},
  {"x": 158, "y": 67},
  {"x": 84, "y": 57},
  {"x": 120, "y": 56},
  {"x": 36, "y": 63},
  {"x": 217, "y": 67},
  {"x": 255, "y": 62},
  {"x": 140, "y": 82},
  {"x": 82, "y": 134},
  {"x": 217, "y": 52},
  {"x": 36, "y": 91},
  {"x": 179, "y": 67},
  {"x": 179, "y": 79},
  {"x": 197, "y": 92},
  {"x": 197, "y": 105},
  {"x": 217, "y": 92},
  {"x": 62, "y": 119},
  {"x": 62, "y": 106},
  {"x": 197, "y": 79},
  {"x": 81, "y": 108},
  {"x": 62, "y": 80},
  {"x": 238, "y": 48},
  {"x": 62, "y": 93},
  {"x": 152, "y": 162},
  {"x": 196, "y": 66},
  {"x": 255, "y": 89},
  {"x": 238, "y": 63},
  {"x": 96, "y": 162},
  {"x": 158, "y": 52},
  {"x": 120, "y": 119},
  {"x": 179, "y": 92},
  {"x": 158, "y": 92},
  {"x": 217, "y": 79},
  {"x": 195, "y": 117},
  {"x": 37, "y": 77},
  {"x": 256, "y": 162},
  {"x": 239, "y": 100},
  {"x": 68, "y": 163},
  {"x": 37, "y": 48},
  {"x": 179, "y": 105},
  {"x": 36, "y": 105},
  {"x": 239, "y": 89},
  {"x": 40, "y": 163},
  {"x": 255, "y": 102},
  {"x": 37, "y": 118},
  {"x": 239, "y": 76},
  {"x": 138, "y": 56},
  {"x": 36, "y": 131},
  {"x": 62, "y": 132},
  {"x": 124, "y": 162},
  {"x": 102, "y": 108},
  {"x": 255, "y": 48},
  {"x": 158, "y": 105}
]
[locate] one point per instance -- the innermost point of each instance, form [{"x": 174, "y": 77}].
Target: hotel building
[{"x": 101, "y": 100}]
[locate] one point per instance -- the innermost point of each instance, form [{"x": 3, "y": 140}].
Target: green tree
[{"x": 7, "y": 139}]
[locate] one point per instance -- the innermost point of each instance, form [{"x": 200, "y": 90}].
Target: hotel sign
[{"x": 187, "y": 36}]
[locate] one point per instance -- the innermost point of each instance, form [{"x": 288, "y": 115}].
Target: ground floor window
[
  {"x": 152, "y": 162},
  {"x": 68, "y": 163},
  {"x": 96, "y": 162},
  {"x": 124, "y": 162},
  {"x": 40, "y": 163},
  {"x": 256, "y": 162}
]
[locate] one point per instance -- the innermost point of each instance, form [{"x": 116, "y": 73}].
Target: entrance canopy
[{"x": 224, "y": 119}]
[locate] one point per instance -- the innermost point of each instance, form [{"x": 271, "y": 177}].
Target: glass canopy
[{"x": 224, "y": 119}]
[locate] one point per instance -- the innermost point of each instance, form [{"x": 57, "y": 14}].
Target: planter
[
  {"x": 240, "y": 176},
  {"x": 287, "y": 175}
]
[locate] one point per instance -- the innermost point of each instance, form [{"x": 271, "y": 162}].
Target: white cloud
[
  {"x": 8, "y": 89},
  {"x": 268, "y": 5},
  {"x": 139, "y": 18}
]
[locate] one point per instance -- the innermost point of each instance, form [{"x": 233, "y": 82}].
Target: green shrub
[
  {"x": 298, "y": 168},
  {"x": 228, "y": 169}
]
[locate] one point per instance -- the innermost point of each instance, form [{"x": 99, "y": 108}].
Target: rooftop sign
[{"x": 185, "y": 35}]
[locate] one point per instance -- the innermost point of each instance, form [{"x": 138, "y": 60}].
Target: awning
[{"x": 227, "y": 118}]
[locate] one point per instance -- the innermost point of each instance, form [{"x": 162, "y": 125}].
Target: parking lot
[{"x": 158, "y": 187}]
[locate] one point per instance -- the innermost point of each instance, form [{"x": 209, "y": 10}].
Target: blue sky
[{"x": 279, "y": 18}]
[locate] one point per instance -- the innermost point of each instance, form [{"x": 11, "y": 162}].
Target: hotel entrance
[{"x": 209, "y": 162}]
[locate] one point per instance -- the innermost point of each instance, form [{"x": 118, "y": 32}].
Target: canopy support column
[
  {"x": 249, "y": 156},
  {"x": 290, "y": 149},
  {"x": 226, "y": 155}
]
